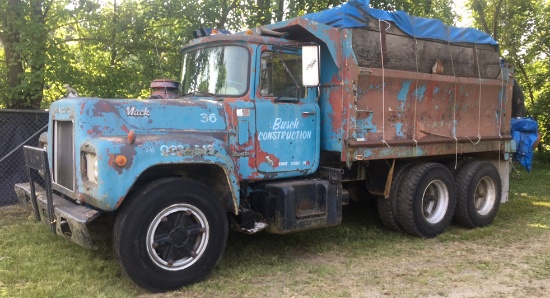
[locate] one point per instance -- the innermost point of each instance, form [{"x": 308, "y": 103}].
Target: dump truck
[{"x": 275, "y": 129}]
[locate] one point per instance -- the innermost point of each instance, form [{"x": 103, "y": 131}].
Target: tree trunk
[
  {"x": 26, "y": 88},
  {"x": 11, "y": 37},
  {"x": 264, "y": 12},
  {"x": 280, "y": 10},
  {"x": 38, "y": 61},
  {"x": 114, "y": 35}
]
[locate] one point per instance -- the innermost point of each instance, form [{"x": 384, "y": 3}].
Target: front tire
[
  {"x": 478, "y": 189},
  {"x": 172, "y": 233},
  {"x": 426, "y": 200}
]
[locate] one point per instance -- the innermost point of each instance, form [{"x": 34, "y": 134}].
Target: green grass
[{"x": 358, "y": 258}]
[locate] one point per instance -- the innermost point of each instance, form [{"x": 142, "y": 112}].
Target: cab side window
[{"x": 281, "y": 75}]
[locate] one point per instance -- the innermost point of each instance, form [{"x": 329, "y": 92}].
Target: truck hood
[{"x": 110, "y": 116}]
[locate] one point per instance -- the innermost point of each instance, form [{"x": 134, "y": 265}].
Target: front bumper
[{"x": 71, "y": 220}]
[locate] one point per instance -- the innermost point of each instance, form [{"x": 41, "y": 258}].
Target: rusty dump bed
[
  {"x": 404, "y": 114},
  {"x": 423, "y": 112},
  {"x": 387, "y": 95}
]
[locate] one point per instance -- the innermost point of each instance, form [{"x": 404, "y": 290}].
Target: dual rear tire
[
  {"x": 479, "y": 191},
  {"x": 425, "y": 198}
]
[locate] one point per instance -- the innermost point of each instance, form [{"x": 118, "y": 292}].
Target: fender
[{"x": 115, "y": 181}]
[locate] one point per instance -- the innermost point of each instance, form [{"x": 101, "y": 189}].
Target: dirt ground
[
  {"x": 452, "y": 269},
  {"x": 457, "y": 270}
]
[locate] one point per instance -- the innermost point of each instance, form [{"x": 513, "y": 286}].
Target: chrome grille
[{"x": 63, "y": 154}]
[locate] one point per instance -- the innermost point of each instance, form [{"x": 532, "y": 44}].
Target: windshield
[{"x": 219, "y": 70}]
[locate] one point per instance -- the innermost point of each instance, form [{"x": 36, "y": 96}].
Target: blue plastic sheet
[
  {"x": 524, "y": 133},
  {"x": 353, "y": 14}
]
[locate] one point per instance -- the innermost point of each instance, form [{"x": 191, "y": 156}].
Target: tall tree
[
  {"x": 511, "y": 22},
  {"x": 113, "y": 48},
  {"x": 10, "y": 35},
  {"x": 24, "y": 32},
  {"x": 522, "y": 29}
]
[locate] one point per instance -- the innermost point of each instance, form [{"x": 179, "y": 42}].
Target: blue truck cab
[{"x": 275, "y": 130}]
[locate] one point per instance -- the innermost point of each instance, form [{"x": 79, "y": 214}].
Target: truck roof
[{"x": 243, "y": 37}]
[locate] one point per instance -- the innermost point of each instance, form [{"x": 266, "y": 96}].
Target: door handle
[{"x": 306, "y": 113}]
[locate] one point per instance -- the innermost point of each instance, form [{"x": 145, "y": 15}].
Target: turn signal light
[{"x": 120, "y": 160}]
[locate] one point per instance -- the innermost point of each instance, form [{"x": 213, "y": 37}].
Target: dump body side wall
[
  {"x": 405, "y": 106},
  {"x": 400, "y": 114}
]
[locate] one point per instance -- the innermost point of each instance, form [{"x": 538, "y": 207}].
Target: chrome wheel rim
[
  {"x": 435, "y": 201},
  {"x": 177, "y": 237},
  {"x": 485, "y": 195}
]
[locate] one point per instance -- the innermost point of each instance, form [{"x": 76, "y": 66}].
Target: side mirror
[{"x": 310, "y": 65}]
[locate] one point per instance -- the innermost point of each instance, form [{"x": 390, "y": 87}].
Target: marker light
[
  {"x": 120, "y": 160},
  {"x": 131, "y": 136}
]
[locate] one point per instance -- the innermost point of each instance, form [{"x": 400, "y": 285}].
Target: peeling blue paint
[
  {"x": 419, "y": 92},
  {"x": 402, "y": 95},
  {"x": 366, "y": 125},
  {"x": 398, "y": 131},
  {"x": 454, "y": 127},
  {"x": 367, "y": 153}
]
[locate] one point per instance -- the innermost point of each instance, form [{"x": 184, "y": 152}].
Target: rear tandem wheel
[
  {"x": 426, "y": 200},
  {"x": 478, "y": 188},
  {"x": 387, "y": 209}
]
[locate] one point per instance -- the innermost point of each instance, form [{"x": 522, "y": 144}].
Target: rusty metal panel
[
  {"x": 361, "y": 151},
  {"x": 400, "y": 110}
]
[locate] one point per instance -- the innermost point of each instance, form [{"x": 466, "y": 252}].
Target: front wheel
[{"x": 172, "y": 233}]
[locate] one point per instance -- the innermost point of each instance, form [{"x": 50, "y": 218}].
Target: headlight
[
  {"x": 89, "y": 166},
  {"x": 95, "y": 169}
]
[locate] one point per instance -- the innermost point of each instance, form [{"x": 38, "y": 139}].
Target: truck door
[{"x": 287, "y": 115}]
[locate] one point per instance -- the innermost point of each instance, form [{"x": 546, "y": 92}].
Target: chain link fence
[{"x": 17, "y": 128}]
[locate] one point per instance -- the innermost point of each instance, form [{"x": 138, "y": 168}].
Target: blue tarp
[
  {"x": 524, "y": 133},
  {"x": 353, "y": 14}
]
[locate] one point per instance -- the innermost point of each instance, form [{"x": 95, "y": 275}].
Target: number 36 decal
[{"x": 208, "y": 118}]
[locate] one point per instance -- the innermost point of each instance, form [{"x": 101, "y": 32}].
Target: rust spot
[
  {"x": 81, "y": 197},
  {"x": 100, "y": 107},
  {"x": 119, "y": 202},
  {"x": 262, "y": 156},
  {"x": 94, "y": 131}
]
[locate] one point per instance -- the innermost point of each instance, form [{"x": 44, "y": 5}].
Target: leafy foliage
[
  {"x": 114, "y": 48},
  {"x": 523, "y": 31}
]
